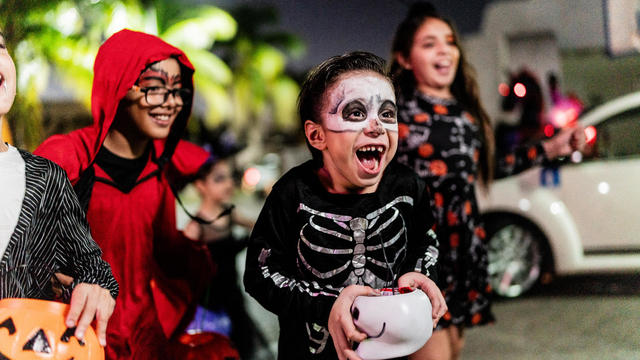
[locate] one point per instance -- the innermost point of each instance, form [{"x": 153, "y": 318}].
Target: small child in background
[{"x": 225, "y": 237}]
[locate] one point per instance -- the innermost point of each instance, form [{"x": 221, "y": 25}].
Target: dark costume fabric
[
  {"x": 224, "y": 292},
  {"x": 308, "y": 244},
  {"x": 51, "y": 236},
  {"x": 441, "y": 142},
  {"x": 156, "y": 266}
]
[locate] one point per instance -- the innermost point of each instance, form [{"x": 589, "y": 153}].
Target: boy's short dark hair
[{"x": 321, "y": 77}]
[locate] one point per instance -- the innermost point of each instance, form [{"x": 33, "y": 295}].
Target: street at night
[{"x": 576, "y": 317}]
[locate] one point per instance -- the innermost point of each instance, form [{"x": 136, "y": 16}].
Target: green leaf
[
  {"x": 209, "y": 66},
  {"x": 202, "y": 31},
  {"x": 268, "y": 61},
  {"x": 285, "y": 92},
  {"x": 219, "y": 105}
]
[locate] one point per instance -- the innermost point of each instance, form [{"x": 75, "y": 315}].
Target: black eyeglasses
[{"x": 156, "y": 95}]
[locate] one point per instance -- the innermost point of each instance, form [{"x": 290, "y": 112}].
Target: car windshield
[{"x": 616, "y": 137}]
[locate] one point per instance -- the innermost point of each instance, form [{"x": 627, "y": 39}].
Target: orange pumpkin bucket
[{"x": 33, "y": 329}]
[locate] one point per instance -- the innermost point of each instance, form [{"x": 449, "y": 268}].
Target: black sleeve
[
  {"x": 271, "y": 276},
  {"x": 76, "y": 253},
  {"x": 422, "y": 247}
]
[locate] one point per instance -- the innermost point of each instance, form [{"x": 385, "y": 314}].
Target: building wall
[{"x": 578, "y": 55}]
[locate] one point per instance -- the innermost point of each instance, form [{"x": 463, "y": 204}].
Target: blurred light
[
  {"x": 68, "y": 21},
  {"x": 87, "y": 60},
  {"x": 576, "y": 156},
  {"x": 252, "y": 176},
  {"x": 503, "y": 89},
  {"x": 603, "y": 188},
  {"x": 191, "y": 36},
  {"x": 590, "y": 134},
  {"x": 524, "y": 204},
  {"x": 555, "y": 208},
  {"x": 65, "y": 52},
  {"x": 564, "y": 113},
  {"x": 549, "y": 130},
  {"x": 119, "y": 19},
  {"x": 562, "y": 117},
  {"x": 572, "y": 115},
  {"x": 520, "y": 90},
  {"x": 269, "y": 61}
]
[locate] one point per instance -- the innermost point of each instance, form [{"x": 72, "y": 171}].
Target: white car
[{"x": 583, "y": 221}]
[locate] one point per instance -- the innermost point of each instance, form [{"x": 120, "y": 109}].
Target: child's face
[
  {"x": 154, "y": 121},
  {"x": 218, "y": 184},
  {"x": 360, "y": 131},
  {"x": 434, "y": 57}
]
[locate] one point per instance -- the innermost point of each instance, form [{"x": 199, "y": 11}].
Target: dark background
[{"x": 332, "y": 27}]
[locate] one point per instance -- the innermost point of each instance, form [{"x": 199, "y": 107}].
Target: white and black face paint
[{"x": 356, "y": 101}]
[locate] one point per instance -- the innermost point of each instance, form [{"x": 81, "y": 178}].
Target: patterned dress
[{"x": 441, "y": 142}]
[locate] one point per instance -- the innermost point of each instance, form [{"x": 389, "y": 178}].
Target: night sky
[{"x": 332, "y": 27}]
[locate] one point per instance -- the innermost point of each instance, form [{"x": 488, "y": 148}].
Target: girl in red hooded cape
[{"x": 125, "y": 169}]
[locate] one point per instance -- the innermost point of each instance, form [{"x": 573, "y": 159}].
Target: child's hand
[
  {"x": 341, "y": 327},
  {"x": 89, "y": 301},
  {"x": 565, "y": 142},
  {"x": 421, "y": 281}
]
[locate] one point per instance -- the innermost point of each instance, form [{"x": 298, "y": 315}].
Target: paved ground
[
  {"x": 587, "y": 317},
  {"x": 590, "y": 327},
  {"x": 575, "y": 318}
]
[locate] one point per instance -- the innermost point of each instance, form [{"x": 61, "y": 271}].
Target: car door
[{"x": 602, "y": 192}]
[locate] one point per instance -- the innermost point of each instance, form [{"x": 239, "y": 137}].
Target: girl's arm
[{"x": 422, "y": 247}]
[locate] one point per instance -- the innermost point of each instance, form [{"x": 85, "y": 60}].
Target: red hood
[{"x": 119, "y": 63}]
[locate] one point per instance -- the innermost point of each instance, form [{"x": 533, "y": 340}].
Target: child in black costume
[
  {"x": 215, "y": 185},
  {"x": 347, "y": 222}
]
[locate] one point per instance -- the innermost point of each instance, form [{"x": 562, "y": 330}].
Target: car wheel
[{"x": 516, "y": 253}]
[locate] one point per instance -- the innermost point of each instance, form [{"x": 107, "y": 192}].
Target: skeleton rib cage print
[{"x": 354, "y": 249}]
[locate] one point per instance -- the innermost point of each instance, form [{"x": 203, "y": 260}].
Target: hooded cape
[{"x": 157, "y": 268}]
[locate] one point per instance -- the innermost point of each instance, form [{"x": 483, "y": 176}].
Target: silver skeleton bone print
[{"x": 362, "y": 246}]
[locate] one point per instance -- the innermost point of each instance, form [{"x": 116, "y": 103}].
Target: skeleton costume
[
  {"x": 441, "y": 142},
  {"x": 308, "y": 244}
]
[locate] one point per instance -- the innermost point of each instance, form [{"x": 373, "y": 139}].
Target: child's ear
[
  {"x": 199, "y": 184},
  {"x": 401, "y": 60},
  {"x": 315, "y": 135}
]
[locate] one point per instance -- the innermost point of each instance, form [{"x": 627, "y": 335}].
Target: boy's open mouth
[{"x": 370, "y": 156}]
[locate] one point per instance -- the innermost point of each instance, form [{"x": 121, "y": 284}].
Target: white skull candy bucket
[{"x": 396, "y": 325}]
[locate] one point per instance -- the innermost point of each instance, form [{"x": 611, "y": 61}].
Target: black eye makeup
[
  {"x": 354, "y": 111},
  {"x": 387, "y": 112}
]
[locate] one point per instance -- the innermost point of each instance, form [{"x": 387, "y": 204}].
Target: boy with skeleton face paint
[{"x": 347, "y": 222}]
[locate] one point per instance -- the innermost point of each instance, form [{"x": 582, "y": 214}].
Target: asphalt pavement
[
  {"x": 573, "y": 318},
  {"x": 580, "y": 317}
]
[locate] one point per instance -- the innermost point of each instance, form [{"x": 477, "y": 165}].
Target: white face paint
[{"x": 358, "y": 100}]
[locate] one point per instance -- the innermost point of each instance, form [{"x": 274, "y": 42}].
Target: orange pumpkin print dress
[{"x": 441, "y": 142}]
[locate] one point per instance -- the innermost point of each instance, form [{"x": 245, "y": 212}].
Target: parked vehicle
[{"x": 578, "y": 218}]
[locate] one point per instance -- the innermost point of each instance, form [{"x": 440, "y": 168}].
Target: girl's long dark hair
[{"x": 464, "y": 88}]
